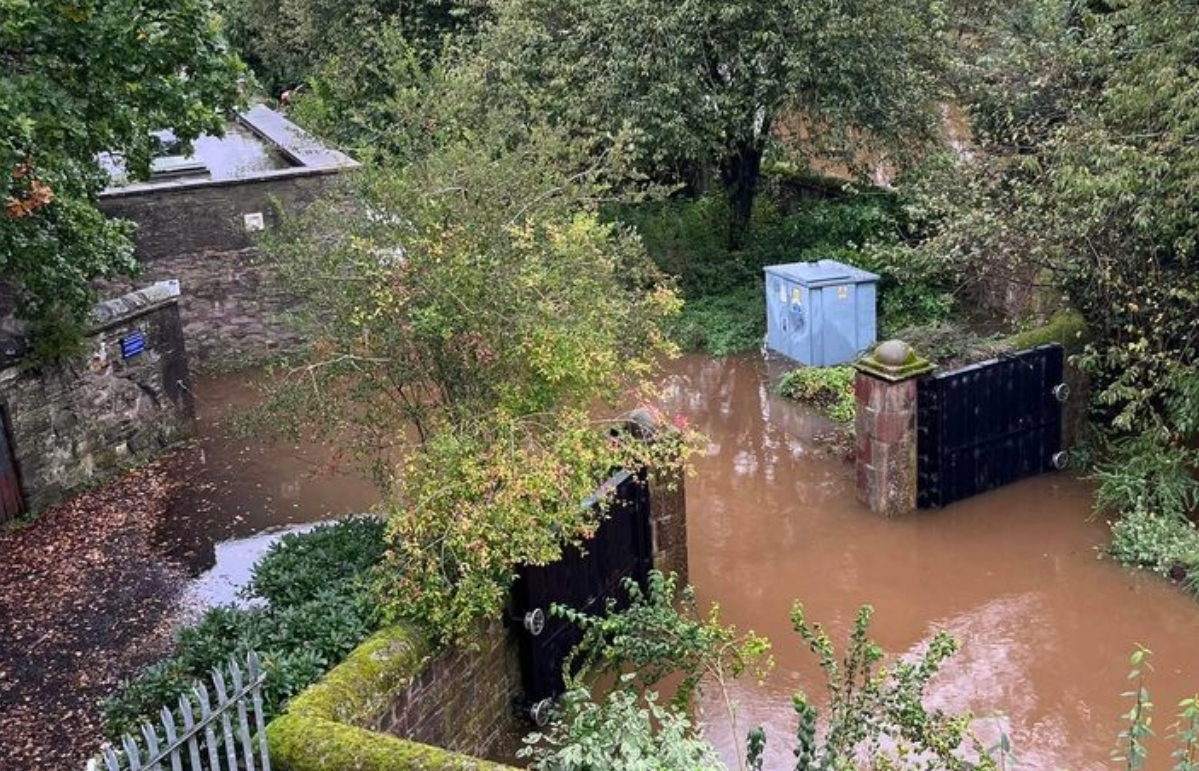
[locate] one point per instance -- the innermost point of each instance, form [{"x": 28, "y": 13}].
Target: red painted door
[{"x": 12, "y": 503}]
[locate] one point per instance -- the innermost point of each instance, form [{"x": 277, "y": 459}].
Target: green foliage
[
  {"x": 1132, "y": 750},
  {"x": 701, "y": 87},
  {"x": 621, "y": 733},
  {"x": 1148, "y": 481},
  {"x": 300, "y": 631},
  {"x": 723, "y": 324},
  {"x": 829, "y": 388},
  {"x": 688, "y": 239},
  {"x": 725, "y": 306},
  {"x": 660, "y": 632},
  {"x": 78, "y": 79},
  {"x": 1148, "y": 472},
  {"x": 390, "y": 105},
  {"x": 302, "y": 566},
  {"x": 472, "y": 318},
  {"x": 287, "y": 42},
  {"x": 876, "y": 712},
  {"x": 1186, "y": 735},
  {"x": 1155, "y": 542},
  {"x": 873, "y": 712}
]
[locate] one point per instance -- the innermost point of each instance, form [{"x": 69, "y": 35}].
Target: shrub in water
[{"x": 829, "y": 388}]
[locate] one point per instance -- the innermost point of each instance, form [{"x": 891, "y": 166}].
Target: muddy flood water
[
  {"x": 244, "y": 494},
  {"x": 1045, "y": 626}
]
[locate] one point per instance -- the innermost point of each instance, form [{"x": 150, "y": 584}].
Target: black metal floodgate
[
  {"x": 989, "y": 424},
  {"x": 584, "y": 579}
]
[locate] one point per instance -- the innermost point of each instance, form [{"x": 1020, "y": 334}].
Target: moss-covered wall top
[{"x": 328, "y": 726}]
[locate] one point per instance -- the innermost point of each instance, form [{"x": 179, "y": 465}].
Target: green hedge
[
  {"x": 322, "y": 729},
  {"x": 316, "y": 607}
]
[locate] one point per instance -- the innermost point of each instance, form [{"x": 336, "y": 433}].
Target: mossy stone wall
[{"x": 335, "y": 725}]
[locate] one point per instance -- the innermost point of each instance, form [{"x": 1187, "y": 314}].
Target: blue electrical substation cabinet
[{"x": 820, "y": 313}]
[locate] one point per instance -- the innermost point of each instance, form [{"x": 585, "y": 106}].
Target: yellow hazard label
[{"x": 842, "y": 293}]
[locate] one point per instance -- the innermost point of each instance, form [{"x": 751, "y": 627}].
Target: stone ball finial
[{"x": 892, "y": 353}]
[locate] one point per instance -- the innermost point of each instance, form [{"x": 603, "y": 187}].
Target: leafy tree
[
  {"x": 77, "y": 78},
  {"x": 1080, "y": 187},
  {"x": 391, "y": 106},
  {"x": 471, "y": 319},
  {"x": 287, "y": 42},
  {"x": 704, "y": 84}
]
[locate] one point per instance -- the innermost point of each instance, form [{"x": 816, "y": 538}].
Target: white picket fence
[{"x": 201, "y": 735}]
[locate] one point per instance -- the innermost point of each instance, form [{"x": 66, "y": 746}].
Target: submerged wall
[{"x": 74, "y": 421}]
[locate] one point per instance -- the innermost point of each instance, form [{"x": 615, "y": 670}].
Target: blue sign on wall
[{"x": 132, "y": 344}]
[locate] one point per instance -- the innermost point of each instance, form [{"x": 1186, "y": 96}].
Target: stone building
[
  {"x": 123, "y": 399},
  {"x": 212, "y": 303},
  {"x": 196, "y": 218}
]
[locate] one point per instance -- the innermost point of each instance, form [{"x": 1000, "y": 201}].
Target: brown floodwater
[
  {"x": 244, "y": 493},
  {"x": 1045, "y": 625}
]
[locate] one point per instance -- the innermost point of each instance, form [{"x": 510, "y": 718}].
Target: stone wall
[
  {"x": 230, "y": 304},
  {"x": 74, "y": 421},
  {"x": 209, "y": 215},
  {"x": 668, "y": 522},
  {"x": 462, "y": 700},
  {"x": 196, "y": 229},
  {"x": 334, "y": 724}
]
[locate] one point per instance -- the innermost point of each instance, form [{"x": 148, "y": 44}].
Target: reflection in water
[
  {"x": 243, "y": 493},
  {"x": 1045, "y": 626},
  {"x": 232, "y": 566}
]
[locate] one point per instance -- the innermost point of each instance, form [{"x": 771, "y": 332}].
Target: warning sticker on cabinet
[{"x": 842, "y": 293}]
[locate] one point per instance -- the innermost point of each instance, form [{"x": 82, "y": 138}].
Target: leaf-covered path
[{"x": 85, "y": 601}]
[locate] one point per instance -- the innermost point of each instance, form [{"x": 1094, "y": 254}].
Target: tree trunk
[{"x": 739, "y": 172}]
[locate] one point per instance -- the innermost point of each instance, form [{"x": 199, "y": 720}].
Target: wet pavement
[{"x": 1046, "y": 626}]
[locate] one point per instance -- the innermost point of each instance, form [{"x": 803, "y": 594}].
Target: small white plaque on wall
[{"x": 254, "y": 222}]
